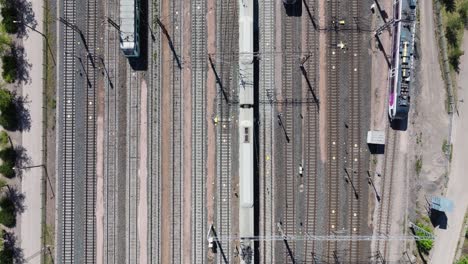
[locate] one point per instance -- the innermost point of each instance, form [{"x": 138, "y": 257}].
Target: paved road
[
  {"x": 446, "y": 240},
  {"x": 32, "y": 141}
]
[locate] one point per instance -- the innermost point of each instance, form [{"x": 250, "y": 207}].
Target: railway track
[
  {"x": 311, "y": 139},
  {"x": 290, "y": 89},
  {"x": 334, "y": 150},
  {"x": 154, "y": 149},
  {"x": 199, "y": 136},
  {"x": 354, "y": 140},
  {"x": 177, "y": 137},
  {"x": 227, "y": 39},
  {"x": 383, "y": 225},
  {"x": 132, "y": 190},
  {"x": 266, "y": 133},
  {"x": 67, "y": 227},
  {"x": 111, "y": 186},
  {"x": 354, "y": 167},
  {"x": 90, "y": 181}
]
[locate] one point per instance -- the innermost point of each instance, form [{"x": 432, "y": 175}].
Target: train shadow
[
  {"x": 399, "y": 124},
  {"x": 293, "y": 10},
  {"x": 140, "y": 63}
]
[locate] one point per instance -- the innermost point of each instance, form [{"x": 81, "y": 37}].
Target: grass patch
[
  {"x": 3, "y": 183},
  {"x": 454, "y": 19},
  {"x": 4, "y": 139},
  {"x": 424, "y": 245},
  {"x": 447, "y": 149},
  {"x": 418, "y": 165},
  {"x": 419, "y": 138}
]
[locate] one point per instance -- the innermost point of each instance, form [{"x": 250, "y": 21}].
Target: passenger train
[
  {"x": 246, "y": 130},
  {"x": 401, "y": 71},
  {"x": 130, "y": 27}
]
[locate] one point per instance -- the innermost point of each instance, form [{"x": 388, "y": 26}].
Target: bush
[
  {"x": 418, "y": 165},
  {"x": 9, "y": 68},
  {"x": 454, "y": 25},
  {"x": 424, "y": 245},
  {"x": 463, "y": 12},
  {"x": 454, "y": 58},
  {"x": 7, "y": 212}
]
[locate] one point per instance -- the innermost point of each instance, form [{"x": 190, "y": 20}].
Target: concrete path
[
  {"x": 446, "y": 240},
  {"x": 30, "y": 222}
]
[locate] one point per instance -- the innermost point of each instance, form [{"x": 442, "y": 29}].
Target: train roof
[{"x": 128, "y": 9}]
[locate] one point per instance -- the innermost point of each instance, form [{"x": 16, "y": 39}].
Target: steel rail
[
  {"x": 133, "y": 156},
  {"x": 67, "y": 194},
  {"x": 90, "y": 180},
  {"x": 111, "y": 187},
  {"x": 334, "y": 141},
  {"x": 177, "y": 136},
  {"x": 199, "y": 135},
  {"x": 227, "y": 28},
  {"x": 154, "y": 149},
  {"x": 266, "y": 131},
  {"x": 386, "y": 189},
  {"x": 311, "y": 119}
]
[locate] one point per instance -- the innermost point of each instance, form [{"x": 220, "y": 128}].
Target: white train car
[
  {"x": 129, "y": 27},
  {"x": 246, "y": 130}
]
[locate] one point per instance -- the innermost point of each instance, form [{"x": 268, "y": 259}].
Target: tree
[
  {"x": 10, "y": 66},
  {"x": 8, "y": 113},
  {"x": 6, "y": 99},
  {"x": 449, "y": 5},
  {"x": 7, "y": 212},
  {"x": 8, "y": 157},
  {"x": 9, "y": 14},
  {"x": 5, "y": 40}
]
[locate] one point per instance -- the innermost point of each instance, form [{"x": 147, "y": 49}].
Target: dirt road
[{"x": 446, "y": 240}]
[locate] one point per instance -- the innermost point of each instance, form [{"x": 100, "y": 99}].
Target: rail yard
[{"x": 228, "y": 131}]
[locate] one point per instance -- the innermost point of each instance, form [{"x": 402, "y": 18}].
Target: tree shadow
[
  {"x": 22, "y": 113},
  {"x": 11, "y": 252},
  {"x": 17, "y": 198},
  {"x": 22, "y": 161},
  {"x": 22, "y": 65},
  {"x": 25, "y": 17}
]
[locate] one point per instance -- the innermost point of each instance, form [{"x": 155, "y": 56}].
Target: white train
[
  {"x": 129, "y": 27},
  {"x": 246, "y": 130}
]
